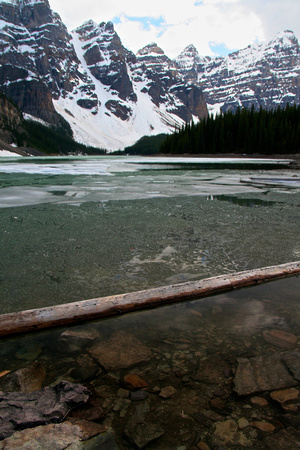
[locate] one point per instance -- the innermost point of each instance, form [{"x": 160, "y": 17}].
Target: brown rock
[
  {"x": 263, "y": 426},
  {"x": 74, "y": 340},
  {"x": 58, "y": 436},
  {"x": 168, "y": 392},
  {"x": 218, "y": 403},
  {"x": 262, "y": 373},
  {"x": 121, "y": 351},
  {"x": 92, "y": 410},
  {"x": 203, "y": 446},
  {"x": 132, "y": 381},
  {"x": 24, "y": 380},
  {"x": 243, "y": 423},
  {"x": 279, "y": 338},
  {"x": 260, "y": 401},
  {"x": 143, "y": 434},
  {"x": 292, "y": 361},
  {"x": 123, "y": 393},
  {"x": 294, "y": 407},
  {"x": 227, "y": 432},
  {"x": 285, "y": 395}
]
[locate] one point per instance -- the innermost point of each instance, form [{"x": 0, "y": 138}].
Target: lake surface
[{"x": 80, "y": 227}]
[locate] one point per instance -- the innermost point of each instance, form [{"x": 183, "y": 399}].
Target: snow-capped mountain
[
  {"x": 110, "y": 96},
  {"x": 265, "y": 74}
]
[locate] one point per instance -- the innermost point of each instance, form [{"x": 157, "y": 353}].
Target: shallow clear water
[
  {"x": 77, "y": 228},
  {"x": 195, "y": 348}
]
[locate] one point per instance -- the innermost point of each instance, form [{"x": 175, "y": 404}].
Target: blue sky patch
[
  {"x": 219, "y": 48},
  {"x": 146, "y": 21}
]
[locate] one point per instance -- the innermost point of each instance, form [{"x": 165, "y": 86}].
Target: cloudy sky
[{"x": 213, "y": 26}]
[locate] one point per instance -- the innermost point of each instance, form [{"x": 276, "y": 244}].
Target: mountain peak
[
  {"x": 190, "y": 50},
  {"x": 285, "y": 38},
  {"x": 25, "y": 2},
  {"x": 151, "y": 50}
]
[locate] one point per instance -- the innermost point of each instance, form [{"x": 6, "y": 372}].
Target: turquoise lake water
[{"x": 81, "y": 227}]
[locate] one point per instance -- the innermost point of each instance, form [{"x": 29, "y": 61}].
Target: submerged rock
[
  {"x": 285, "y": 395},
  {"x": 168, "y": 392},
  {"x": 227, "y": 432},
  {"x": 72, "y": 341},
  {"x": 144, "y": 433},
  {"x": 50, "y": 404},
  {"x": 121, "y": 351},
  {"x": 132, "y": 381},
  {"x": 263, "y": 426},
  {"x": 77, "y": 433},
  {"x": 24, "y": 380},
  {"x": 292, "y": 361},
  {"x": 279, "y": 338},
  {"x": 288, "y": 439},
  {"x": 262, "y": 373}
]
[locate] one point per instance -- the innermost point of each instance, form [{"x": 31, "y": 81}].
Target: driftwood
[{"x": 71, "y": 313}]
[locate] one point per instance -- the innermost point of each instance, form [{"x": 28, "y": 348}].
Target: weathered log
[{"x": 71, "y": 313}]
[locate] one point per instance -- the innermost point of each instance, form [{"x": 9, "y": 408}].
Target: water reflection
[{"x": 243, "y": 201}]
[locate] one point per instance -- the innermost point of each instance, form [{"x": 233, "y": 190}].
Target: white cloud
[{"x": 232, "y": 23}]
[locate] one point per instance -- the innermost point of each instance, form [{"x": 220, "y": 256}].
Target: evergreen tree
[{"x": 245, "y": 131}]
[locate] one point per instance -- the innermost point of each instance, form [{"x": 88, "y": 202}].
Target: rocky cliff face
[
  {"x": 265, "y": 74},
  {"x": 112, "y": 97},
  {"x": 36, "y": 56},
  {"x": 165, "y": 84},
  {"x": 11, "y": 120}
]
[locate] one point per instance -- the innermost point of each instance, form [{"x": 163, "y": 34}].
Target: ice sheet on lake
[{"x": 76, "y": 180}]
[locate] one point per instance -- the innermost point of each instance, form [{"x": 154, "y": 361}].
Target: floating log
[{"x": 72, "y": 313}]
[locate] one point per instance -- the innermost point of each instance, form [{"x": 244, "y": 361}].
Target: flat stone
[
  {"x": 24, "y": 380},
  {"x": 168, "y": 392},
  {"x": 285, "y": 395},
  {"x": 123, "y": 393},
  {"x": 262, "y": 373},
  {"x": 53, "y": 436},
  {"x": 260, "y": 401},
  {"x": 92, "y": 410},
  {"x": 227, "y": 432},
  {"x": 50, "y": 404},
  {"x": 263, "y": 426},
  {"x": 85, "y": 368},
  {"x": 132, "y": 381},
  {"x": 144, "y": 433},
  {"x": 279, "y": 338},
  {"x": 243, "y": 423},
  {"x": 292, "y": 407},
  {"x": 121, "y": 351},
  {"x": 138, "y": 395},
  {"x": 72, "y": 341},
  {"x": 218, "y": 403},
  {"x": 292, "y": 361}
]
